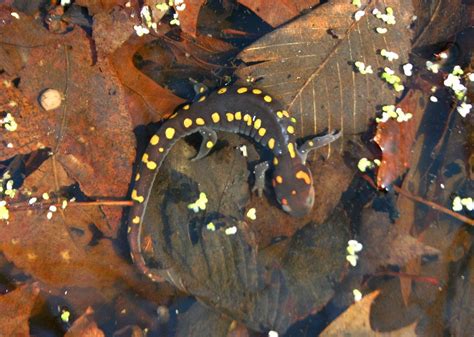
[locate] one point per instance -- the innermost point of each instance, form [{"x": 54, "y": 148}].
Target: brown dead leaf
[
  {"x": 90, "y": 133},
  {"x": 61, "y": 251},
  {"x": 146, "y": 100},
  {"x": 396, "y": 139},
  {"x": 232, "y": 272},
  {"x": 437, "y": 20},
  {"x": 95, "y": 6},
  {"x": 277, "y": 12},
  {"x": 406, "y": 222},
  {"x": 85, "y": 326},
  {"x": 188, "y": 17},
  {"x": 355, "y": 322},
  {"x": 387, "y": 244},
  {"x": 177, "y": 58},
  {"x": 309, "y": 65},
  {"x": 111, "y": 30},
  {"x": 15, "y": 310},
  {"x": 49, "y": 177}
]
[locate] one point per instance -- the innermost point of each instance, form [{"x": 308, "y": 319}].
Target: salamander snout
[{"x": 294, "y": 191}]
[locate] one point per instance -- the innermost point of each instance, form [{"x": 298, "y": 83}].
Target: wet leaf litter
[{"x": 69, "y": 149}]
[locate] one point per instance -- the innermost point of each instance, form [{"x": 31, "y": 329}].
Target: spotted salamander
[{"x": 243, "y": 110}]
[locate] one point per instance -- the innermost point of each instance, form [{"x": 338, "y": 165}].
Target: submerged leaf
[
  {"x": 309, "y": 65},
  {"x": 15, "y": 308}
]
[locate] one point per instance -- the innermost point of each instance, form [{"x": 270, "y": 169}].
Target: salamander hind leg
[
  {"x": 260, "y": 170},
  {"x": 209, "y": 139},
  {"x": 317, "y": 142}
]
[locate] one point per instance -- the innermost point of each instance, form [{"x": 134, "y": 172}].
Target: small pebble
[{"x": 50, "y": 99}]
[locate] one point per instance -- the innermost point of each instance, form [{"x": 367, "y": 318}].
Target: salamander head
[{"x": 294, "y": 189}]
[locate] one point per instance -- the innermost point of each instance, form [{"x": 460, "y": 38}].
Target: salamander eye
[{"x": 293, "y": 192}]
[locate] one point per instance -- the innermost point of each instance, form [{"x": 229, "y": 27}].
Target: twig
[
  {"x": 433, "y": 205},
  {"x": 113, "y": 203}
]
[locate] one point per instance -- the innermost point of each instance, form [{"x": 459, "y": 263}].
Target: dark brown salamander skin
[{"x": 242, "y": 110}]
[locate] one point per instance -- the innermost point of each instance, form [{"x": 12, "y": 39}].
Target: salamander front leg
[
  {"x": 259, "y": 171},
  {"x": 317, "y": 142},
  {"x": 209, "y": 139}
]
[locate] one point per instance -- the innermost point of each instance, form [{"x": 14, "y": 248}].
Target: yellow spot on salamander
[
  {"x": 257, "y": 124},
  {"x": 209, "y": 144},
  {"x": 279, "y": 179},
  {"x": 145, "y": 158},
  {"x": 271, "y": 143},
  {"x": 200, "y": 121},
  {"x": 257, "y": 91},
  {"x": 154, "y": 140},
  {"x": 151, "y": 165},
  {"x": 238, "y": 115},
  {"x": 137, "y": 177},
  {"x": 303, "y": 175},
  {"x": 267, "y": 98},
  {"x": 137, "y": 197},
  {"x": 136, "y": 220},
  {"x": 161, "y": 149},
  {"x": 221, "y": 91},
  {"x": 169, "y": 133},
  {"x": 187, "y": 122},
  {"x": 279, "y": 114},
  {"x": 186, "y": 107},
  {"x": 230, "y": 116},
  {"x": 202, "y": 98},
  {"x": 262, "y": 132},
  {"x": 293, "y": 119},
  {"x": 290, "y": 129},
  {"x": 242, "y": 90},
  {"x": 286, "y": 114},
  {"x": 248, "y": 119},
  {"x": 275, "y": 161},
  {"x": 291, "y": 150},
  {"x": 216, "y": 117}
]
